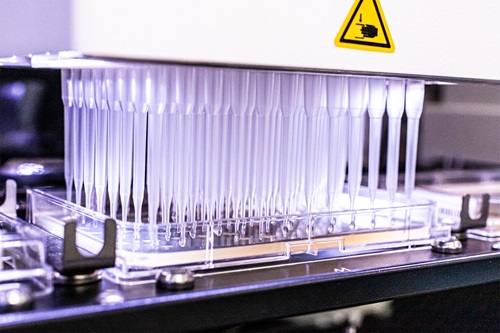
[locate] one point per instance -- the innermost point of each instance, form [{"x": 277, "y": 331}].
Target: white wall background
[{"x": 32, "y": 26}]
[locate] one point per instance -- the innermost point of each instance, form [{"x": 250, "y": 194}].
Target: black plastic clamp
[
  {"x": 74, "y": 268},
  {"x": 466, "y": 222}
]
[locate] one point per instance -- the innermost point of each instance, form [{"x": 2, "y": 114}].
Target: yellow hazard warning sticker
[{"x": 365, "y": 28}]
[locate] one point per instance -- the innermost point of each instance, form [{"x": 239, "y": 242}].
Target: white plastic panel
[{"x": 432, "y": 38}]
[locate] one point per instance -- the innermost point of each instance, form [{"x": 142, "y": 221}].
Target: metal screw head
[
  {"x": 447, "y": 245},
  {"x": 15, "y": 297},
  {"x": 175, "y": 279}
]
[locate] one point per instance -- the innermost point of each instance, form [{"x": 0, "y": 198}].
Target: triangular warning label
[{"x": 365, "y": 28}]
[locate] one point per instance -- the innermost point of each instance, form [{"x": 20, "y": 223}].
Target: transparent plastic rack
[
  {"x": 143, "y": 249},
  {"x": 22, "y": 261},
  {"x": 447, "y": 190}
]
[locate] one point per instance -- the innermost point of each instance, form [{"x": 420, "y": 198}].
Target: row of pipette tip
[{"x": 215, "y": 143}]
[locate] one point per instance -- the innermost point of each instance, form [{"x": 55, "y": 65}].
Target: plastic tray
[
  {"x": 22, "y": 250},
  {"x": 446, "y": 189},
  {"x": 143, "y": 248}
]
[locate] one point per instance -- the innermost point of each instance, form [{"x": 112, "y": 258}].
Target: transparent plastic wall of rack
[
  {"x": 142, "y": 250},
  {"x": 22, "y": 251}
]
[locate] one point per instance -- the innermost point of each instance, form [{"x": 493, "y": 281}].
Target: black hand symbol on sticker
[{"x": 368, "y": 31}]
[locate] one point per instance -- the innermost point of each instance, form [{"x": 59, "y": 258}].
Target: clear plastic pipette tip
[
  {"x": 395, "y": 109},
  {"x": 358, "y": 104},
  {"x": 415, "y": 91},
  {"x": 376, "y": 109}
]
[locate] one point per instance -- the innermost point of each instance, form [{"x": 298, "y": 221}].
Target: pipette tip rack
[{"x": 213, "y": 158}]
